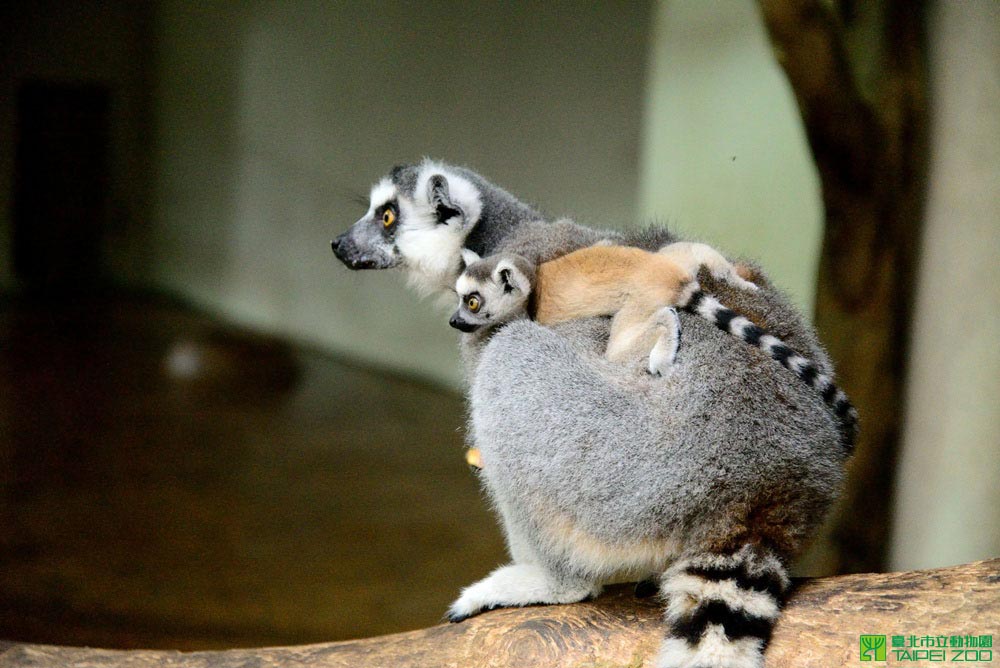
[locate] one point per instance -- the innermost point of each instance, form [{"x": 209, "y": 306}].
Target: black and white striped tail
[
  {"x": 721, "y": 609},
  {"x": 697, "y": 302}
]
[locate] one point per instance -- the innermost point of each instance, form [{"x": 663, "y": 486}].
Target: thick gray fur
[
  {"x": 560, "y": 427},
  {"x": 686, "y": 457}
]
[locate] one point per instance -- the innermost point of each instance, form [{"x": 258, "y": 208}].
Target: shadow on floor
[{"x": 170, "y": 482}]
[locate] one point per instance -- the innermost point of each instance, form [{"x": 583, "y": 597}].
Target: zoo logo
[{"x": 872, "y": 648}]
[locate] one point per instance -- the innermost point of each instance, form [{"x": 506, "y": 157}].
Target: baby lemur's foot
[
  {"x": 664, "y": 352},
  {"x": 518, "y": 585},
  {"x": 692, "y": 256}
]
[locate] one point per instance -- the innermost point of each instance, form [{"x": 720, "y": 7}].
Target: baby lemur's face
[{"x": 491, "y": 291}]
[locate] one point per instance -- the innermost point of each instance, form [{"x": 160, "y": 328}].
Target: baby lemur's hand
[{"x": 474, "y": 459}]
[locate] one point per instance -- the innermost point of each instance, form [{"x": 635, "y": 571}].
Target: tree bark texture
[
  {"x": 867, "y": 138},
  {"x": 820, "y": 628}
]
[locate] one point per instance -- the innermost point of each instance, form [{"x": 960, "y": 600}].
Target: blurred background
[{"x": 214, "y": 435}]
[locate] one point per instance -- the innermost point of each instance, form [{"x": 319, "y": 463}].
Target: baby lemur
[
  {"x": 636, "y": 287},
  {"x": 639, "y": 289}
]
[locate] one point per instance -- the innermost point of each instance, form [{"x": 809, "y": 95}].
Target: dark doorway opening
[{"x": 61, "y": 182}]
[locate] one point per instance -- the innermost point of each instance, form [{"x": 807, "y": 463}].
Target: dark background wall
[{"x": 106, "y": 48}]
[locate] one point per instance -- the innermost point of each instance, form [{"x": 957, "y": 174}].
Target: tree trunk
[
  {"x": 867, "y": 137},
  {"x": 820, "y": 628}
]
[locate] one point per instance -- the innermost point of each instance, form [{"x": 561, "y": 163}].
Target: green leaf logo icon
[{"x": 873, "y": 648}]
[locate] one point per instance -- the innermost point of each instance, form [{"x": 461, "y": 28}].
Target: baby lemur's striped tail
[
  {"x": 710, "y": 308},
  {"x": 721, "y": 608}
]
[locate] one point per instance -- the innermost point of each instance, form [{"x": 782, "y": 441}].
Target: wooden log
[{"x": 820, "y": 628}]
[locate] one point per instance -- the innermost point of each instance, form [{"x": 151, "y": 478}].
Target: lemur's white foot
[
  {"x": 692, "y": 255},
  {"x": 664, "y": 352},
  {"x": 517, "y": 585}
]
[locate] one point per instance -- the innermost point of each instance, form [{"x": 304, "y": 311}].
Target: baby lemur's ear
[
  {"x": 469, "y": 257},
  {"x": 511, "y": 277}
]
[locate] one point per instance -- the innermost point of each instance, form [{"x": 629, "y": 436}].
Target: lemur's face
[
  {"x": 417, "y": 218},
  {"x": 490, "y": 292}
]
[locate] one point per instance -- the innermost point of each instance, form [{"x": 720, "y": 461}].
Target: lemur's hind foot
[{"x": 691, "y": 256}]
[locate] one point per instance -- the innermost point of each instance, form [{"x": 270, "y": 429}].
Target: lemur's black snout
[
  {"x": 365, "y": 246},
  {"x": 347, "y": 252},
  {"x": 342, "y": 248},
  {"x": 462, "y": 325}
]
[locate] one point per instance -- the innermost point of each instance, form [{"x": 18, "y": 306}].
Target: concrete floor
[{"x": 170, "y": 482}]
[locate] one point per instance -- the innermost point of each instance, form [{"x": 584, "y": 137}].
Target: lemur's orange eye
[
  {"x": 388, "y": 218},
  {"x": 473, "y": 303}
]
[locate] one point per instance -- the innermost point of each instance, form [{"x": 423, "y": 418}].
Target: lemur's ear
[
  {"x": 440, "y": 199},
  {"x": 469, "y": 257},
  {"x": 510, "y": 277}
]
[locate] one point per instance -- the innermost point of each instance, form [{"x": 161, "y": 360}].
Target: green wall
[{"x": 724, "y": 155}]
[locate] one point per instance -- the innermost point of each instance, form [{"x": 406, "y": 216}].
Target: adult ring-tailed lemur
[{"x": 712, "y": 477}]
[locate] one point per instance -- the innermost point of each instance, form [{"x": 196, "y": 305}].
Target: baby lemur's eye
[
  {"x": 473, "y": 303},
  {"x": 388, "y": 218}
]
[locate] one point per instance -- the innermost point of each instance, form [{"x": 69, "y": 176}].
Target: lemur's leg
[
  {"x": 691, "y": 256},
  {"x": 526, "y": 581},
  {"x": 632, "y": 329},
  {"x": 721, "y": 608},
  {"x": 664, "y": 351},
  {"x": 519, "y": 545},
  {"x": 516, "y": 585}
]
